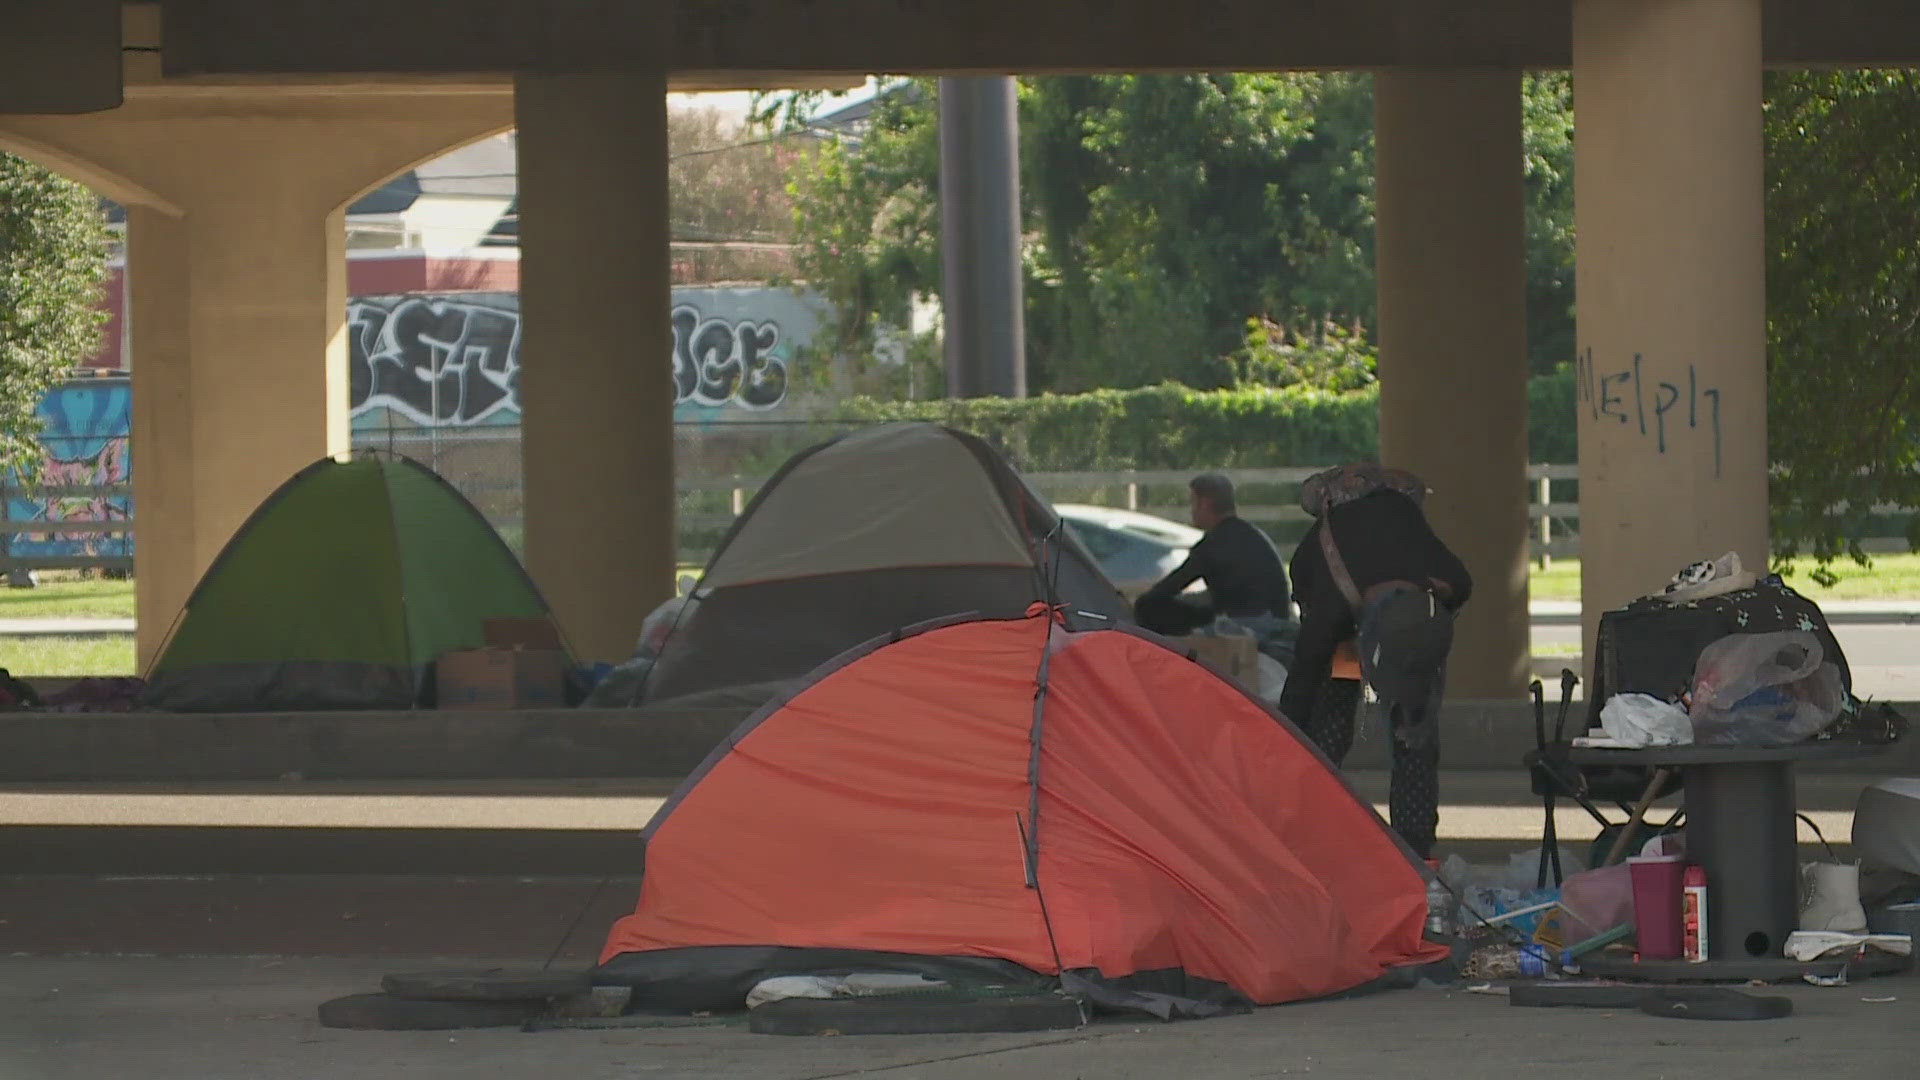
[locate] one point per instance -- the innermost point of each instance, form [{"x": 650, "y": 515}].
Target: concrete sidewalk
[
  {"x": 253, "y": 1018},
  {"x": 575, "y": 828},
  {"x": 65, "y": 627},
  {"x": 1561, "y": 612}
]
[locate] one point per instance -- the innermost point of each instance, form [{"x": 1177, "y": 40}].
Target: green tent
[{"x": 339, "y": 593}]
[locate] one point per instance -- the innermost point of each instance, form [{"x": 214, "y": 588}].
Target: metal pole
[{"x": 984, "y": 315}]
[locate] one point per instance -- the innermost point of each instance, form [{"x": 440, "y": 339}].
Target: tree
[
  {"x": 1175, "y": 207},
  {"x": 866, "y": 214},
  {"x": 727, "y": 185},
  {"x": 53, "y": 258},
  {"x": 1843, "y": 304},
  {"x": 1163, "y": 212},
  {"x": 1546, "y": 103}
]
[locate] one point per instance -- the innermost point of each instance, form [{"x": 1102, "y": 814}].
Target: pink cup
[{"x": 1656, "y": 904}]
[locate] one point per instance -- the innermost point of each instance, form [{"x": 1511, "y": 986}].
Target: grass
[
  {"x": 46, "y": 655},
  {"x": 1556, "y": 648},
  {"x": 1891, "y": 577},
  {"x": 69, "y": 599}
]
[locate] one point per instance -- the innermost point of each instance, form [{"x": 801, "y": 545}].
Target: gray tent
[{"x": 860, "y": 536}]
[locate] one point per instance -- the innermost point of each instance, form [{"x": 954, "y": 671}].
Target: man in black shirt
[
  {"x": 1412, "y": 583},
  {"x": 1243, "y": 573}
]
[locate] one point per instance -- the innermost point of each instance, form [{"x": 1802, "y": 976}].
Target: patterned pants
[{"x": 1413, "y": 799}]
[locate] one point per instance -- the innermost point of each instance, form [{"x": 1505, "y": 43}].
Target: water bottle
[{"x": 1440, "y": 922}]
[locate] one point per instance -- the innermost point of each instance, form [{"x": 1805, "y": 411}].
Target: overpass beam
[
  {"x": 1451, "y": 266},
  {"x": 1671, "y": 285}
]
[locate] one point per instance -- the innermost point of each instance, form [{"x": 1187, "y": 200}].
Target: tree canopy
[
  {"x": 53, "y": 258},
  {"x": 1843, "y": 303},
  {"x": 1163, "y": 213},
  {"x": 1218, "y": 230}
]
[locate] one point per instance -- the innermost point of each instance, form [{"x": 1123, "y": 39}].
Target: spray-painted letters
[
  {"x": 1632, "y": 396},
  {"x": 455, "y": 360},
  {"x": 435, "y": 359},
  {"x": 716, "y": 361}
]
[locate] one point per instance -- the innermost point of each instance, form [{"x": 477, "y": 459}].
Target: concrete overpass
[{"x": 236, "y": 131}]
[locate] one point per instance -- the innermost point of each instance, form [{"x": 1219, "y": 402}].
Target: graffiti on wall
[
  {"x": 717, "y": 361},
  {"x": 435, "y": 359},
  {"x": 455, "y": 359},
  {"x": 84, "y": 444}
]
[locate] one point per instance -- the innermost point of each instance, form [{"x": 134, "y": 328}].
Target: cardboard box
[
  {"x": 1237, "y": 656},
  {"x": 537, "y": 633},
  {"x": 500, "y": 679}
]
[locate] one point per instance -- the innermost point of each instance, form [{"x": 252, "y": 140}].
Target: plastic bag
[
  {"x": 660, "y": 622},
  {"x": 1645, "y": 720},
  {"x": 624, "y": 686},
  {"x": 1598, "y": 900},
  {"x": 1273, "y": 677},
  {"x": 1763, "y": 690}
]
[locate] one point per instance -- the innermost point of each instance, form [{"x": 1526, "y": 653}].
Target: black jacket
[
  {"x": 1242, "y": 570},
  {"x": 1382, "y": 537}
]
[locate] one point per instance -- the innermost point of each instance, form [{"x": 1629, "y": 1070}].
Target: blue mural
[{"x": 85, "y": 445}]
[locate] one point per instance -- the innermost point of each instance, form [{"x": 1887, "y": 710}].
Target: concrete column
[
  {"x": 1671, "y": 290},
  {"x": 1450, "y": 261},
  {"x": 165, "y": 555},
  {"x": 267, "y": 308},
  {"x": 984, "y": 314},
  {"x": 596, "y": 401}
]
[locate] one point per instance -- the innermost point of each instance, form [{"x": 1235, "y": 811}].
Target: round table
[{"x": 1741, "y": 828}]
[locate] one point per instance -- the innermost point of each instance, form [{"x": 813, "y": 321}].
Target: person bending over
[{"x": 1400, "y": 589}]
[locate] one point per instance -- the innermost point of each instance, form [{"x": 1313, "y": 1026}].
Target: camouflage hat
[{"x": 1345, "y": 483}]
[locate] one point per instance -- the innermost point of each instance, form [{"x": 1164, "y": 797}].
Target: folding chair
[{"x": 1632, "y": 788}]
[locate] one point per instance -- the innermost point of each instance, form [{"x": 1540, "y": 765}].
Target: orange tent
[{"x": 1014, "y": 799}]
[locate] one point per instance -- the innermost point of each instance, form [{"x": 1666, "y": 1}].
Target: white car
[{"x": 1134, "y": 549}]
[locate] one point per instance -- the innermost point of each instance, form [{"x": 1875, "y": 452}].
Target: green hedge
[
  {"x": 1173, "y": 427},
  {"x": 1167, "y": 427}
]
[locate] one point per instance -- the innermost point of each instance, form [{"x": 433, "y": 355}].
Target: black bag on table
[{"x": 1649, "y": 646}]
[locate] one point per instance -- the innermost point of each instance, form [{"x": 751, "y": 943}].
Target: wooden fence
[
  {"x": 1553, "y": 526},
  {"x": 713, "y": 503}
]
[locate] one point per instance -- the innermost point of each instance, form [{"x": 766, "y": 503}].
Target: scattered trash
[
  {"x": 1506, "y": 962},
  {"x": 1708, "y": 578},
  {"x": 783, "y": 987},
  {"x": 1805, "y": 945}
]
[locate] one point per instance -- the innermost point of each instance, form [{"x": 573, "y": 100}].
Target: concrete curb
[
  {"x": 1540, "y": 613},
  {"x": 572, "y": 743},
  {"x": 66, "y": 627}
]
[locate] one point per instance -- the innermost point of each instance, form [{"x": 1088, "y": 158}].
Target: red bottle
[{"x": 1693, "y": 914}]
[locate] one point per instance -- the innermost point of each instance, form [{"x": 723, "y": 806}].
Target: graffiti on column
[
  {"x": 1635, "y": 396},
  {"x": 455, "y": 359},
  {"x": 84, "y": 455}
]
